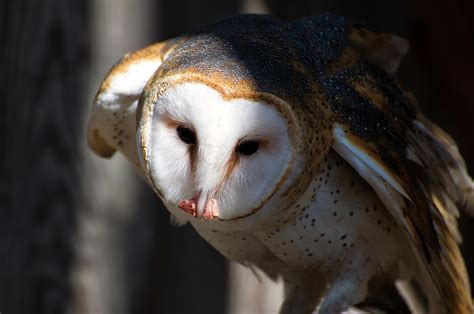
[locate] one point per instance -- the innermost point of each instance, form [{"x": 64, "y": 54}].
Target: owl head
[{"x": 212, "y": 155}]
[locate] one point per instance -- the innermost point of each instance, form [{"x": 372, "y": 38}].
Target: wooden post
[{"x": 43, "y": 52}]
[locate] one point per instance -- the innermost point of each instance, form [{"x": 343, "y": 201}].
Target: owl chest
[{"x": 338, "y": 215}]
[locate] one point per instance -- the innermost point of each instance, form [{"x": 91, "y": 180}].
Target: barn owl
[{"x": 290, "y": 147}]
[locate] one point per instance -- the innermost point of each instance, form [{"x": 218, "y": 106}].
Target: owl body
[
  {"x": 337, "y": 227},
  {"x": 290, "y": 147},
  {"x": 321, "y": 227}
]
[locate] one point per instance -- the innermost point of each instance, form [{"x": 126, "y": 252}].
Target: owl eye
[
  {"x": 186, "y": 135},
  {"x": 248, "y": 148}
]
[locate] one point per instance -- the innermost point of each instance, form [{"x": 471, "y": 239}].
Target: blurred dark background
[{"x": 83, "y": 235}]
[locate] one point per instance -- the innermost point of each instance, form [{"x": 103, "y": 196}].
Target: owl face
[{"x": 215, "y": 157}]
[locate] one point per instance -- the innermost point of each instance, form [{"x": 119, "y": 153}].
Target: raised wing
[
  {"x": 422, "y": 180},
  {"x": 413, "y": 166},
  {"x": 112, "y": 125}
]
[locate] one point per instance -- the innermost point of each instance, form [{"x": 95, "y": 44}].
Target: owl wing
[
  {"x": 413, "y": 166},
  {"x": 112, "y": 125},
  {"x": 416, "y": 170},
  {"x": 422, "y": 187}
]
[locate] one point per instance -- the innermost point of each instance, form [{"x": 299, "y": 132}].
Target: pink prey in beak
[{"x": 201, "y": 207}]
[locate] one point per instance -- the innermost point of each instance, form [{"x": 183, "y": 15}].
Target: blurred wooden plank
[
  {"x": 44, "y": 50},
  {"x": 116, "y": 228},
  {"x": 251, "y": 291},
  {"x": 179, "y": 16}
]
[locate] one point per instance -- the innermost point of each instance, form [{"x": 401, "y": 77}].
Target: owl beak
[{"x": 201, "y": 206}]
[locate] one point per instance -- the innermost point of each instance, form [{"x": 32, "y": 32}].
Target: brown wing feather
[
  {"x": 382, "y": 50},
  {"x": 425, "y": 161},
  {"x": 449, "y": 169},
  {"x": 437, "y": 180},
  {"x": 382, "y": 134},
  {"x": 429, "y": 216}
]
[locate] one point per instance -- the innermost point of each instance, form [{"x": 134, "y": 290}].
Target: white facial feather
[{"x": 219, "y": 126}]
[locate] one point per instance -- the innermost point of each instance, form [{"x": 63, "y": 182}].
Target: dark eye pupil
[
  {"x": 186, "y": 135},
  {"x": 248, "y": 148}
]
